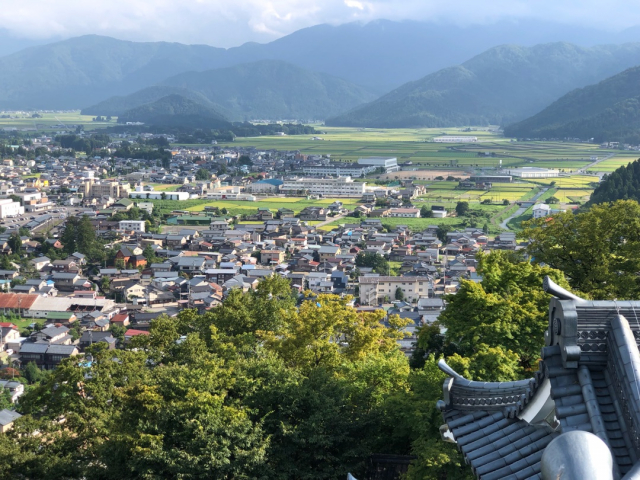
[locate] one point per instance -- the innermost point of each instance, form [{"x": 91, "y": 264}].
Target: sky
[{"x": 227, "y": 23}]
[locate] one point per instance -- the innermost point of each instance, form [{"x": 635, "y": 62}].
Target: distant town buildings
[{"x": 452, "y": 139}]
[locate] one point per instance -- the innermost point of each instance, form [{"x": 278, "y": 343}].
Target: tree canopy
[
  {"x": 598, "y": 250},
  {"x": 505, "y": 315}
]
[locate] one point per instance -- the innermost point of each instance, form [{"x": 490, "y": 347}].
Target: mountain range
[
  {"x": 608, "y": 110},
  {"x": 267, "y": 89},
  {"x": 500, "y": 86},
  {"x": 380, "y": 55}
]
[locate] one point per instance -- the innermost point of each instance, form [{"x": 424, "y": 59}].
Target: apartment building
[
  {"x": 132, "y": 225},
  {"x": 373, "y": 290}
]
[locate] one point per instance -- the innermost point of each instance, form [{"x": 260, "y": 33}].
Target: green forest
[{"x": 607, "y": 111}]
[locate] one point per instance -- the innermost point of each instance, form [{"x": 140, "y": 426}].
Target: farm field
[
  {"x": 53, "y": 121},
  {"x": 621, "y": 159},
  {"x": 415, "y": 146}
]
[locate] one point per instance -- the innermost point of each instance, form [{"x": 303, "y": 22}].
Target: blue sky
[{"x": 227, "y": 23}]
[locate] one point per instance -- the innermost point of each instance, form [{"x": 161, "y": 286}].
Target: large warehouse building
[{"x": 533, "y": 172}]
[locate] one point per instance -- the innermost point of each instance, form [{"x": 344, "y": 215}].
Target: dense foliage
[
  {"x": 622, "y": 184},
  {"x": 497, "y": 325},
  {"x": 598, "y": 250},
  {"x": 256, "y": 388},
  {"x": 502, "y": 85},
  {"x": 607, "y": 111}
]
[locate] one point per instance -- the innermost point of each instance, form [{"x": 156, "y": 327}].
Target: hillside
[
  {"x": 503, "y": 85},
  {"x": 622, "y": 184},
  {"x": 175, "y": 110},
  {"x": 116, "y": 106},
  {"x": 268, "y": 89},
  {"x": 607, "y": 111},
  {"x": 380, "y": 55},
  {"x": 81, "y": 71}
]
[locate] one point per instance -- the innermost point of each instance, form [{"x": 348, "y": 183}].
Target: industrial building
[{"x": 533, "y": 172}]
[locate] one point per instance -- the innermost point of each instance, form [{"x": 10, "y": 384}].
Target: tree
[
  {"x": 425, "y": 212},
  {"x": 373, "y": 260},
  {"x": 506, "y": 202},
  {"x": 399, "y": 294},
  {"x": 105, "y": 284},
  {"x": 203, "y": 174},
  {"x": 551, "y": 200},
  {"x": 598, "y": 250},
  {"x": 15, "y": 243},
  {"x": 507, "y": 310},
  {"x": 442, "y": 231},
  {"x": 462, "y": 208}
]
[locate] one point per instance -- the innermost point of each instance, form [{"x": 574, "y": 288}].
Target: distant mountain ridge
[
  {"x": 379, "y": 55},
  {"x": 500, "y": 86},
  {"x": 606, "y": 111},
  {"x": 268, "y": 89}
]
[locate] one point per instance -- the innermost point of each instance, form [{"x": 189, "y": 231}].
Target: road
[
  {"x": 328, "y": 221},
  {"x": 521, "y": 210},
  {"x": 591, "y": 165}
]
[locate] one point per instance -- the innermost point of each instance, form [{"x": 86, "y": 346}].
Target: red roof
[
  {"x": 134, "y": 333},
  {"x": 7, "y": 325},
  {"x": 17, "y": 300},
  {"x": 120, "y": 317}
]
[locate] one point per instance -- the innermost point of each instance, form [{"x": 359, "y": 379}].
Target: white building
[
  {"x": 131, "y": 225},
  {"x": 329, "y": 187},
  {"x": 373, "y": 290},
  {"x": 541, "y": 210},
  {"x": 8, "y": 207},
  {"x": 533, "y": 172},
  {"x": 341, "y": 169},
  {"x": 140, "y": 193},
  {"x": 390, "y": 164},
  {"x": 438, "y": 211},
  {"x": 451, "y": 139},
  {"x": 405, "y": 212}
]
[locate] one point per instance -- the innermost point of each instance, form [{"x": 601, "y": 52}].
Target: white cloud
[{"x": 232, "y": 22}]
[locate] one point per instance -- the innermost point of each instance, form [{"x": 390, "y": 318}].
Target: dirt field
[{"x": 423, "y": 174}]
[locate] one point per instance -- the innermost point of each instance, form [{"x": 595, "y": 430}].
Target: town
[{"x": 152, "y": 260}]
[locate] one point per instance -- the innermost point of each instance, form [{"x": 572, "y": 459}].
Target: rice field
[{"x": 621, "y": 159}]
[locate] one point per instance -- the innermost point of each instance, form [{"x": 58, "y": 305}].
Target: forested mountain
[
  {"x": 175, "y": 110},
  {"x": 622, "y": 184},
  {"x": 500, "y": 86},
  {"x": 379, "y": 55},
  {"x": 81, "y": 71},
  {"x": 268, "y": 89},
  {"x": 607, "y": 111}
]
